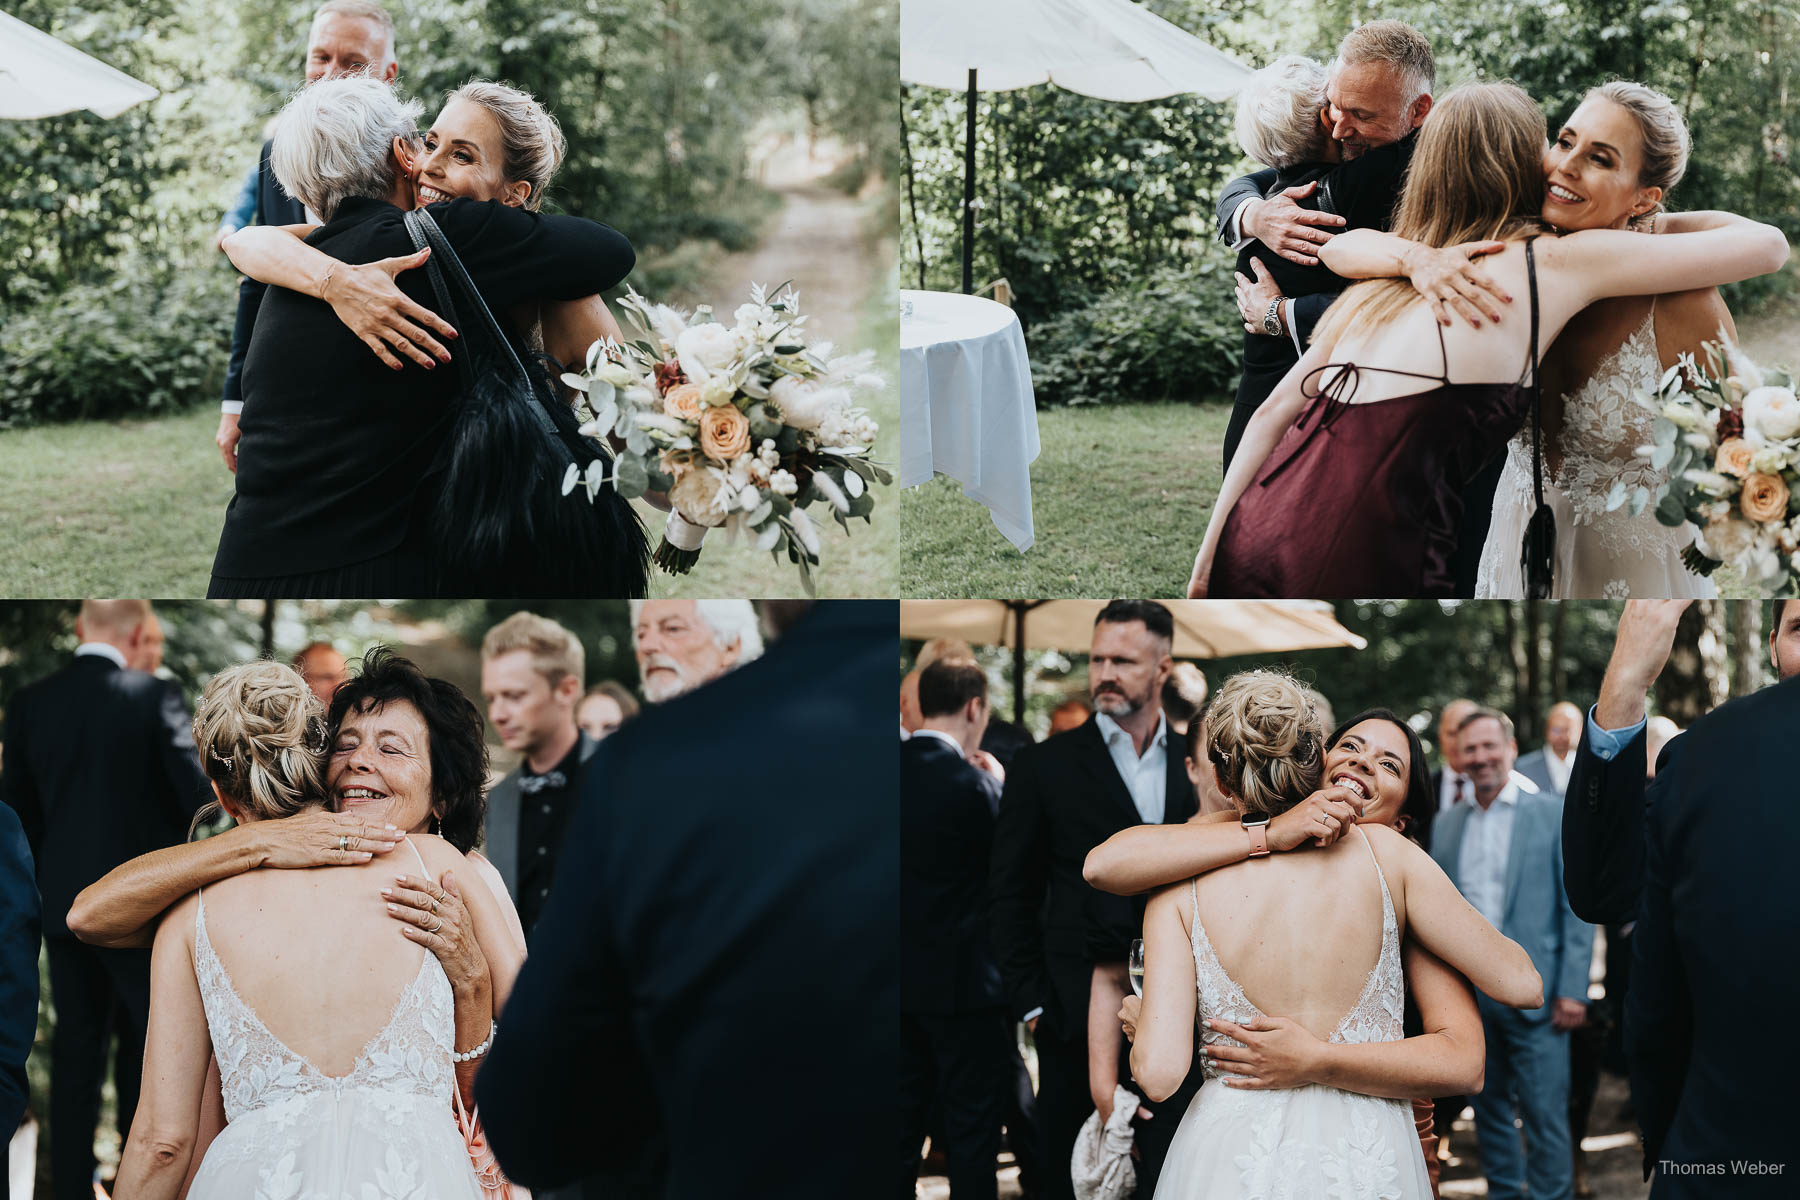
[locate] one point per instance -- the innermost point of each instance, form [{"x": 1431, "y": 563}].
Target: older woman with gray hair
[{"x": 344, "y": 470}]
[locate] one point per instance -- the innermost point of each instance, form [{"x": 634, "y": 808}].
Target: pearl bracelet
[{"x": 477, "y": 1052}]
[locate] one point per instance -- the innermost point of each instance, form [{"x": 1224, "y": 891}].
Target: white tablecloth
[{"x": 966, "y": 404}]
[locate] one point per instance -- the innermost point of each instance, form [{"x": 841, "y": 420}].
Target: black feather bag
[{"x": 500, "y": 524}]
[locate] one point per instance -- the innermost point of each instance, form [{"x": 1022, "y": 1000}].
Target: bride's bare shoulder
[{"x": 438, "y": 854}]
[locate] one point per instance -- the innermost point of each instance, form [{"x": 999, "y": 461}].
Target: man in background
[
  {"x": 348, "y": 37},
  {"x": 681, "y": 644},
  {"x": 1503, "y": 850},
  {"x": 18, "y": 974},
  {"x": 1449, "y": 785},
  {"x": 1549, "y": 766},
  {"x": 955, "y": 1039},
  {"x": 531, "y": 675},
  {"x": 323, "y": 668},
  {"x": 100, "y": 766}
]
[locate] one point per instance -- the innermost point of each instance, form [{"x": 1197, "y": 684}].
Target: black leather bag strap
[
  {"x": 1538, "y": 553},
  {"x": 444, "y": 264},
  {"x": 415, "y": 229}
]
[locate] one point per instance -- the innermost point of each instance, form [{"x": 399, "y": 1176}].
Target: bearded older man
[
  {"x": 682, "y": 644},
  {"x": 1063, "y": 797}
]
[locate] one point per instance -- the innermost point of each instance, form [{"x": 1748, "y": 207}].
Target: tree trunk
[
  {"x": 1530, "y": 718},
  {"x": 268, "y": 628},
  {"x": 1559, "y": 670},
  {"x": 1694, "y": 682},
  {"x": 1746, "y": 647},
  {"x": 1509, "y": 616}
]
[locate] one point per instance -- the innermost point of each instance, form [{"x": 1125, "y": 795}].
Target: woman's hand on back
[
  {"x": 435, "y": 916},
  {"x": 1323, "y": 818},
  {"x": 1450, "y": 281},
  {"x": 318, "y": 838},
  {"x": 371, "y": 305}
]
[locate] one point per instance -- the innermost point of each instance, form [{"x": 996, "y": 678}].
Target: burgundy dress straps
[{"x": 1366, "y": 499}]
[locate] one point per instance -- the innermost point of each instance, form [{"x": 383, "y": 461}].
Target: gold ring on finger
[{"x": 343, "y": 842}]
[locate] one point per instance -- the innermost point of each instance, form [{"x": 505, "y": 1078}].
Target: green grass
[
  {"x": 1120, "y": 495},
  {"x": 112, "y": 508}
]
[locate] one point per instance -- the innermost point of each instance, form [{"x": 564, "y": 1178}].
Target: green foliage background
[
  {"x": 106, "y": 226},
  {"x": 1091, "y": 209}
]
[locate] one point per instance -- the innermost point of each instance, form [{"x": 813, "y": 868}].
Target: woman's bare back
[
  {"x": 314, "y": 954},
  {"x": 1300, "y": 933}
]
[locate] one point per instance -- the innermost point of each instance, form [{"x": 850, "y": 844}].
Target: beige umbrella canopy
[
  {"x": 1203, "y": 628},
  {"x": 42, "y": 77}
]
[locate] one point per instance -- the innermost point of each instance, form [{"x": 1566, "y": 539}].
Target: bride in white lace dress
[
  {"x": 333, "y": 1034},
  {"x": 1315, "y": 937}
]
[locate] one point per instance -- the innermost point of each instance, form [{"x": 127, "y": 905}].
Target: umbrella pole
[
  {"x": 1018, "y": 607},
  {"x": 968, "y": 238}
]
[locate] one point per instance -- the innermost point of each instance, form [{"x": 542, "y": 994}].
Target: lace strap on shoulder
[{"x": 1194, "y": 931}]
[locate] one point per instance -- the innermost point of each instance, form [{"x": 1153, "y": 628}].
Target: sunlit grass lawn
[
  {"x": 1120, "y": 494},
  {"x": 112, "y": 508}
]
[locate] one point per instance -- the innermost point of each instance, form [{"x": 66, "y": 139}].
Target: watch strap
[{"x": 1259, "y": 839}]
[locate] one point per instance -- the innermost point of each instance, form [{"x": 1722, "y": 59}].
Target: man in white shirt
[
  {"x": 1549, "y": 767},
  {"x": 1503, "y": 850}
]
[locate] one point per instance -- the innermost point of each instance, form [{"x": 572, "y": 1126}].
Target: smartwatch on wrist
[{"x": 1258, "y": 829}]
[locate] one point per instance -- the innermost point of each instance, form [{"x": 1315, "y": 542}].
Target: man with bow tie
[{"x": 532, "y": 674}]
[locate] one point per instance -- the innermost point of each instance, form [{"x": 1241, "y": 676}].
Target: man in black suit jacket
[
  {"x": 347, "y": 36},
  {"x": 1625, "y": 853},
  {"x": 1377, "y": 95},
  {"x": 1063, "y": 797},
  {"x": 18, "y": 970},
  {"x": 100, "y": 767},
  {"x": 711, "y": 1003},
  {"x": 954, "y": 1033}
]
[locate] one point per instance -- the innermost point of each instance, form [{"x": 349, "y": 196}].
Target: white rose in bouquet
[
  {"x": 804, "y": 403},
  {"x": 698, "y": 497},
  {"x": 1727, "y": 538},
  {"x": 1773, "y": 411},
  {"x": 705, "y": 350}
]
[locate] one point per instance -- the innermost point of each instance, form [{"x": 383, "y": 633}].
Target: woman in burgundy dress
[{"x": 1349, "y": 479}]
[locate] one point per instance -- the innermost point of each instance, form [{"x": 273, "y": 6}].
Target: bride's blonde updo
[
  {"x": 1264, "y": 739},
  {"x": 261, "y": 736},
  {"x": 530, "y": 138}
]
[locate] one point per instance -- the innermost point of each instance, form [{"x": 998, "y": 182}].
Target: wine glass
[{"x": 1134, "y": 966}]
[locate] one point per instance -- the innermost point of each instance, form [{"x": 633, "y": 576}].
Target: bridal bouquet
[
  {"x": 742, "y": 425},
  {"x": 1729, "y": 435}
]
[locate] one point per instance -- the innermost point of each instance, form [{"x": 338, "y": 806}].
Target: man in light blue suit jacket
[{"x": 1504, "y": 853}]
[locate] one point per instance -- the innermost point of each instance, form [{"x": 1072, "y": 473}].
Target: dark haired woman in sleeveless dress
[{"x": 1349, "y": 479}]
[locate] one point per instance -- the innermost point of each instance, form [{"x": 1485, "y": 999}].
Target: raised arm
[
  {"x": 122, "y": 907},
  {"x": 1447, "y": 925},
  {"x": 177, "y": 1048},
  {"x": 363, "y": 295},
  {"x": 1145, "y": 857},
  {"x": 1163, "y": 1049},
  {"x": 1260, "y": 435},
  {"x": 1597, "y": 263}
]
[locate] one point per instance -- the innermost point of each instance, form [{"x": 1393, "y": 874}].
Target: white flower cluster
[{"x": 848, "y": 427}]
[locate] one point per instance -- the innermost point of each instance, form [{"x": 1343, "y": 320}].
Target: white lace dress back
[
  {"x": 384, "y": 1131},
  {"x": 1307, "y": 1143},
  {"x": 1599, "y": 554}
]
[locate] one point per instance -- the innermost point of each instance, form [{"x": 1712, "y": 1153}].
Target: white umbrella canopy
[
  {"x": 42, "y": 77},
  {"x": 1203, "y": 628},
  {"x": 1110, "y": 49}
]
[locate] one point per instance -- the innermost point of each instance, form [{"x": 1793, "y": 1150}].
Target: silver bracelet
[{"x": 477, "y": 1052}]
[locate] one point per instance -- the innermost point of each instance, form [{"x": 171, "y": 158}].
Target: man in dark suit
[
  {"x": 711, "y": 1004},
  {"x": 1377, "y": 95},
  {"x": 1063, "y": 797},
  {"x": 532, "y": 672},
  {"x": 347, "y": 36},
  {"x": 100, "y": 767},
  {"x": 954, "y": 1034},
  {"x": 18, "y": 970},
  {"x": 1623, "y": 854}
]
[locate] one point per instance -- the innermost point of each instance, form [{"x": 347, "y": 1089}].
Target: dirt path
[
  {"x": 1773, "y": 336},
  {"x": 817, "y": 241}
]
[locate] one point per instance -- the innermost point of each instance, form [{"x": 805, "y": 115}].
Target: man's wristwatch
[
  {"x": 1258, "y": 829},
  {"x": 1272, "y": 318}
]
